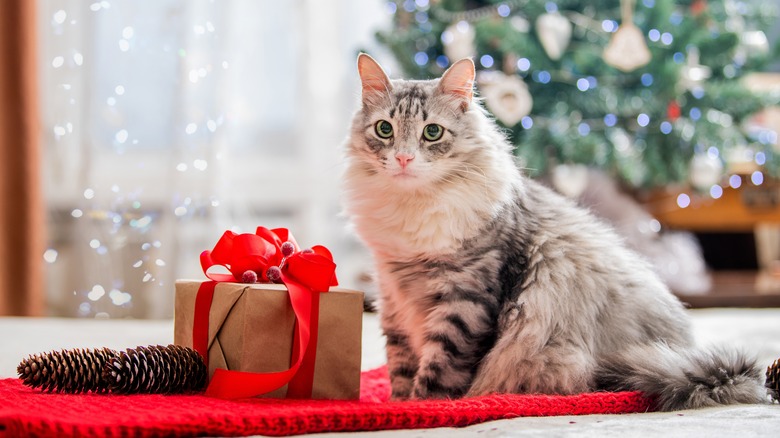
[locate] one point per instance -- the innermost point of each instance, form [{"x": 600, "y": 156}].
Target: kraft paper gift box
[{"x": 251, "y": 328}]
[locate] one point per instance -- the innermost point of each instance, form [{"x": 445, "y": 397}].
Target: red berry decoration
[
  {"x": 274, "y": 274},
  {"x": 249, "y": 277},
  {"x": 673, "y": 111},
  {"x": 288, "y": 249}
]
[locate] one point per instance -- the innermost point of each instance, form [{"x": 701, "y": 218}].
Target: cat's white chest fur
[
  {"x": 411, "y": 227},
  {"x": 409, "y": 224}
]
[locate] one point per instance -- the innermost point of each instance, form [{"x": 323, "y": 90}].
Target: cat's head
[{"x": 417, "y": 134}]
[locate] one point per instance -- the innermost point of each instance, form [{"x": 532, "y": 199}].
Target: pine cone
[
  {"x": 773, "y": 380},
  {"x": 71, "y": 371},
  {"x": 150, "y": 370},
  {"x": 156, "y": 370}
]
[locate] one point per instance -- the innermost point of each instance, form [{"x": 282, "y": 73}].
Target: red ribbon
[{"x": 305, "y": 274}]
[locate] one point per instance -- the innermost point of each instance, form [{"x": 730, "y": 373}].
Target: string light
[
  {"x": 50, "y": 255},
  {"x": 654, "y": 35},
  {"x": 609, "y": 25},
  {"x": 479, "y": 13},
  {"x": 716, "y": 191},
  {"x": 523, "y": 64},
  {"x": 683, "y": 200},
  {"x": 542, "y": 77},
  {"x": 757, "y": 178},
  {"x": 391, "y": 8}
]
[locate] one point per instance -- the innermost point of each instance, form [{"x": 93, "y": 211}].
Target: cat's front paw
[
  {"x": 400, "y": 396},
  {"x": 401, "y": 393},
  {"x": 431, "y": 388},
  {"x": 402, "y": 388}
]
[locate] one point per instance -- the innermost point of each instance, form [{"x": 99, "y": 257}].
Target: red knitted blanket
[{"x": 28, "y": 412}]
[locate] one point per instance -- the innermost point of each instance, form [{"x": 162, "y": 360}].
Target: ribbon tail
[
  {"x": 241, "y": 384},
  {"x": 200, "y": 327},
  {"x": 302, "y": 383}
]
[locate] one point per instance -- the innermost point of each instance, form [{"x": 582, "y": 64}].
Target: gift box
[
  {"x": 251, "y": 329},
  {"x": 272, "y": 323}
]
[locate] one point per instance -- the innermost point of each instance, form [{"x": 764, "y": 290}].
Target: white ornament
[
  {"x": 458, "y": 40},
  {"x": 622, "y": 142},
  {"x": 755, "y": 41},
  {"x": 693, "y": 74},
  {"x": 570, "y": 179},
  {"x": 740, "y": 160},
  {"x": 520, "y": 24},
  {"x": 627, "y": 50},
  {"x": 554, "y": 31},
  {"x": 752, "y": 43},
  {"x": 506, "y": 96},
  {"x": 705, "y": 171}
]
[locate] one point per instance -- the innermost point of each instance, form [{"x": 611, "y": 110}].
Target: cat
[{"x": 492, "y": 283}]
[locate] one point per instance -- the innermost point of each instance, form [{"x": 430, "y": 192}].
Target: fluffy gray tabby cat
[{"x": 490, "y": 282}]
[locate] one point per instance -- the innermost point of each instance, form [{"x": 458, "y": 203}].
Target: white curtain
[{"x": 167, "y": 122}]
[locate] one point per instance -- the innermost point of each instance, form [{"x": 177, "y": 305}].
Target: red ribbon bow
[{"x": 305, "y": 274}]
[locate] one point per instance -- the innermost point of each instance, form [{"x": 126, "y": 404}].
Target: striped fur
[{"x": 490, "y": 282}]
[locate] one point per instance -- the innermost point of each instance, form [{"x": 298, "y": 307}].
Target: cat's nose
[{"x": 404, "y": 159}]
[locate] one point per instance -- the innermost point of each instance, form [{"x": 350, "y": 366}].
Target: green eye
[
  {"x": 433, "y": 132},
  {"x": 384, "y": 129}
]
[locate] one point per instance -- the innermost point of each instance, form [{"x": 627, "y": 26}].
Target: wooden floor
[{"x": 738, "y": 289}]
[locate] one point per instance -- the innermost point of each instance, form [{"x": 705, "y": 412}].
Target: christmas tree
[{"x": 650, "y": 91}]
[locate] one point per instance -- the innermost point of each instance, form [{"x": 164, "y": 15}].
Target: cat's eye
[
  {"x": 383, "y": 129},
  {"x": 433, "y": 132}
]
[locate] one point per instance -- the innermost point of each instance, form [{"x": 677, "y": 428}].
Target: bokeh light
[
  {"x": 683, "y": 200},
  {"x": 716, "y": 191}
]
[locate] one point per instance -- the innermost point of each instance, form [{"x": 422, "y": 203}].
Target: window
[{"x": 168, "y": 122}]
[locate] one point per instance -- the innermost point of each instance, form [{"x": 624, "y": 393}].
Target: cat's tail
[{"x": 684, "y": 379}]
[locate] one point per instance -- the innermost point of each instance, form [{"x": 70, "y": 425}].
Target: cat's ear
[
  {"x": 458, "y": 81},
  {"x": 375, "y": 81}
]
